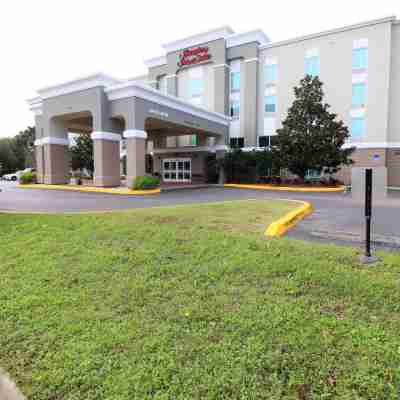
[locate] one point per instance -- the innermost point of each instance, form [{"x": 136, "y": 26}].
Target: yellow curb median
[
  {"x": 120, "y": 191},
  {"x": 300, "y": 189},
  {"x": 282, "y": 225}
]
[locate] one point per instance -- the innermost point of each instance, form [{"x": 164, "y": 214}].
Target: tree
[
  {"x": 8, "y": 161},
  {"x": 23, "y": 147},
  {"x": 311, "y": 136},
  {"x": 82, "y": 154}
]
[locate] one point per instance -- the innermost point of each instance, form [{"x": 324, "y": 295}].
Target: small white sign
[{"x": 158, "y": 112}]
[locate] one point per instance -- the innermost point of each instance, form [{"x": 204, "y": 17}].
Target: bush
[
  {"x": 27, "y": 178},
  {"x": 145, "y": 183}
]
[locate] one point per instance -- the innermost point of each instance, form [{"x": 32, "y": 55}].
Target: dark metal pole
[{"x": 368, "y": 211}]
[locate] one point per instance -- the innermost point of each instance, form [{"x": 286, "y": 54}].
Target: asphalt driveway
[{"x": 336, "y": 217}]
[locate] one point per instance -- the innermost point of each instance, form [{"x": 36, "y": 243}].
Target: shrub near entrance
[
  {"x": 27, "y": 178},
  {"x": 145, "y": 183}
]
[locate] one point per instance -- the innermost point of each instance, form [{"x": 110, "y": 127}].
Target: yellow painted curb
[
  {"x": 282, "y": 225},
  {"x": 301, "y": 189},
  {"x": 91, "y": 189}
]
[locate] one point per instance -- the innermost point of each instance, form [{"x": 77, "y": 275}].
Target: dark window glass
[
  {"x": 180, "y": 165},
  {"x": 236, "y": 142},
  {"x": 187, "y": 165},
  {"x": 263, "y": 141}
]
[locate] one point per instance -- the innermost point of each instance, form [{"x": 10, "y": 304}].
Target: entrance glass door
[{"x": 177, "y": 170}]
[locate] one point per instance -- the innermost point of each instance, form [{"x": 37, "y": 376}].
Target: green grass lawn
[{"x": 192, "y": 302}]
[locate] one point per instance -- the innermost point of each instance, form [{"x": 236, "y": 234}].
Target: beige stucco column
[
  {"x": 135, "y": 154},
  {"x": 106, "y": 154},
  {"x": 54, "y": 160}
]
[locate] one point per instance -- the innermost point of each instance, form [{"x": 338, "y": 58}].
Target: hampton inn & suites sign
[{"x": 193, "y": 56}]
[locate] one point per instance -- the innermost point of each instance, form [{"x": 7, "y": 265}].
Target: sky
[{"x": 45, "y": 42}]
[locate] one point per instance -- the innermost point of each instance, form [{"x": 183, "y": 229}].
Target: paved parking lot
[{"x": 337, "y": 218}]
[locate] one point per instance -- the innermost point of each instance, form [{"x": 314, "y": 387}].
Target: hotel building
[{"x": 216, "y": 90}]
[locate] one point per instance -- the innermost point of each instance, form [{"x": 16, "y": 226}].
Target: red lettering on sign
[{"x": 193, "y": 56}]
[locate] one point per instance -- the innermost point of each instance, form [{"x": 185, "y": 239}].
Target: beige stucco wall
[
  {"x": 394, "y": 114},
  {"x": 335, "y": 52}
]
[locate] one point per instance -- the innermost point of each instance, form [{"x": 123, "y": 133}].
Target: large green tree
[
  {"x": 8, "y": 161},
  {"x": 82, "y": 154},
  {"x": 23, "y": 148},
  {"x": 311, "y": 136}
]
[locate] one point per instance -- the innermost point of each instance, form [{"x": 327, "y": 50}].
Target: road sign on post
[{"x": 367, "y": 258}]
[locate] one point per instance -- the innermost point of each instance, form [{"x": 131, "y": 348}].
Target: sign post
[{"x": 367, "y": 258}]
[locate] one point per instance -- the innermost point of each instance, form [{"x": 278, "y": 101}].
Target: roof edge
[{"x": 330, "y": 32}]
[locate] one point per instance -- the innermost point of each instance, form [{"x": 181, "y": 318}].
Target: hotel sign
[{"x": 193, "y": 56}]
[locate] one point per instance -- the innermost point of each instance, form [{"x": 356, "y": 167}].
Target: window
[
  {"x": 235, "y": 106},
  {"x": 312, "y": 65},
  {"x": 235, "y": 81},
  {"x": 234, "y": 95},
  {"x": 360, "y": 58},
  {"x": 193, "y": 140},
  {"x": 313, "y": 174},
  {"x": 270, "y": 103},
  {"x": 267, "y": 141},
  {"x": 236, "y": 142},
  {"x": 359, "y": 93},
  {"x": 357, "y": 127},
  {"x": 196, "y": 87},
  {"x": 263, "y": 141},
  {"x": 271, "y": 73}
]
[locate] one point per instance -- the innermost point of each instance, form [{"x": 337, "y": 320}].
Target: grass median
[{"x": 192, "y": 302}]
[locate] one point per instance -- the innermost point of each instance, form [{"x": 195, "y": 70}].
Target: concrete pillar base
[
  {"x": 56, "y": 164},
  {"x": 106, "y": 159},
  {"x": 136, "y": 158}
]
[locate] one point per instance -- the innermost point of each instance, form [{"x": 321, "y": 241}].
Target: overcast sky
[{"x": 43, "y": 42}]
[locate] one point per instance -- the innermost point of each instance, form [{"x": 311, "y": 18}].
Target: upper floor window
[
  {"x": 360, "y": 58},
  {"x": 312, "y": 63},
  {"x": 196, "y": 85},
  {"x": 360, "y": 54},
  {"x": 270, "y": 103},
  {"x": 359, "y": 94},
  {"x": 235, "y": 81},
  {"x": 234, "y": 96},
  {"x": 271, "y": 71},
  {"x": 357, "y": 127}
]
